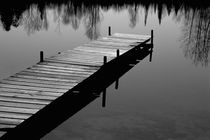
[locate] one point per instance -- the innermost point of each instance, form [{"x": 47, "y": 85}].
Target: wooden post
[
  {"x": 117, "y": 81},
  {"x": 152, "y": 37},
  {"x": 109, "y": 31},
  {"x": 105, "y": 60},
  {"x": 151, "y": 48},
  {"x": 118, "y": 52},
  {"x": 104, "y": 98},
  {"x": 41, "y": 56}
]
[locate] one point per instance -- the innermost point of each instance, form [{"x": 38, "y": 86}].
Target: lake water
[{"x": 166, "y": 99}]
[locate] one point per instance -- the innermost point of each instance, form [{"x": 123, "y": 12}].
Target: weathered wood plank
[
  {"x": 63, "y": 70},
  {"x": 21, "y": 105},
  {"x": 31, "y": 92},
  {"x": 82, "y": 55},
  {"x": 51, "y": 83},
  {"x": 4, "y": 127},
  {"x": 53, "y": 74},
  {"x": 121, "y": 48},
  {"x": 57, "y": 67},
  {"x": 105, "y": 51},
  {"x": 14, "y": 115},
  {"x": 50, "y": 76},
  {"x": 10, "y": 121},
  {"x": 36, "y": 84},
  {"x": 73, "y": 62},
  {"x": 61, "y": 65},
  {"x": 18, "y": 110},
  {"x": 26, "y": 96},
  {"x": 98, "y": 49},
  {"x": 60, "y": 72},
  {"x": 80, "y": 52},
  {"x": 46, "y": 78},
  {"x": 106, "y": 42},
  {"x": 132, "y": 36},
  {"x": 85, "y": 52},
  {"x": 80, "y": 58},
  {"x": 31, "y": 88},
  {"x": 79, "y": 61},
  {"x": 115, "y": 39},
  {"x": 21, "y": 100}
]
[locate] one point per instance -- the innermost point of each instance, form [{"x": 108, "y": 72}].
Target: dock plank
[
  {"x": 83, "y": 52},
  {"x": 131, "y": 36},
  {"x": 52, "y": 76},
  {"x": 36, "y": 81},
  {"x": 31, "y": 87},
  {"x": 31, "y": 92},
  {"x": 121, "y": 48},
  {"x": 63, "y": 70},
  {"x": 26, "y": 96},
  {"x": 11, "y": 115},
  {"x": 107, "y": 42},
  {"x": 115, "y": 39},
  {"x": 105, "y": 51},
  {"x": 18, "y": 110},
  {"x": 36, "y": 84},
  {"x": 21, "y": 105},
  {"x": 9, "y": 121},
  {"x": 46, "y": 78},
  {"x": 72, "y": 63},
  {"x": 63, "y": 65},
  {"x": 57, "y": 71},
  {"x": 4, "y": 127},
  {"x": 22, "y": 100}
]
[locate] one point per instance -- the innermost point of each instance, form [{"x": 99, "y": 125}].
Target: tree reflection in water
[
  {"x": 33, "y": 20},
  {"x": 33, "y": 17},
  {"x": 133, "y": 14},
  {"x": 91, "y": 22},
  {"x": 196, "y": 36},
  {"x": 72, "y": 15}
]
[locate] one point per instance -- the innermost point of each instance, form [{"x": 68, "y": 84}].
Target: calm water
[{"x": 166, "y": 99}]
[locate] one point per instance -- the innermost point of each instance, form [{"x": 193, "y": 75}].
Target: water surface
[{"x": 166, "y": 99}]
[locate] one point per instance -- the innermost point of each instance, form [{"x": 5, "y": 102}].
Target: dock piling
[
  {"x": 109, "y": 31},
  {"x": 152, "y": 37},
  {"x": 41, "y": 56},
  {"x": 105, "y": 60},
  {"x": 151, "y": 48},
  {"x": 118, "y": 52}
]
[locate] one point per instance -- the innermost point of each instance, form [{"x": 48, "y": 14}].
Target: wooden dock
[{"x": 39, "y": 98}]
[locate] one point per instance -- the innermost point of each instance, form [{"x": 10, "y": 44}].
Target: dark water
[{"x": 166, "y": 99}]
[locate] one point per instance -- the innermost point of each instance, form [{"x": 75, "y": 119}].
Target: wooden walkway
[{"x": 35, "y": 90}]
